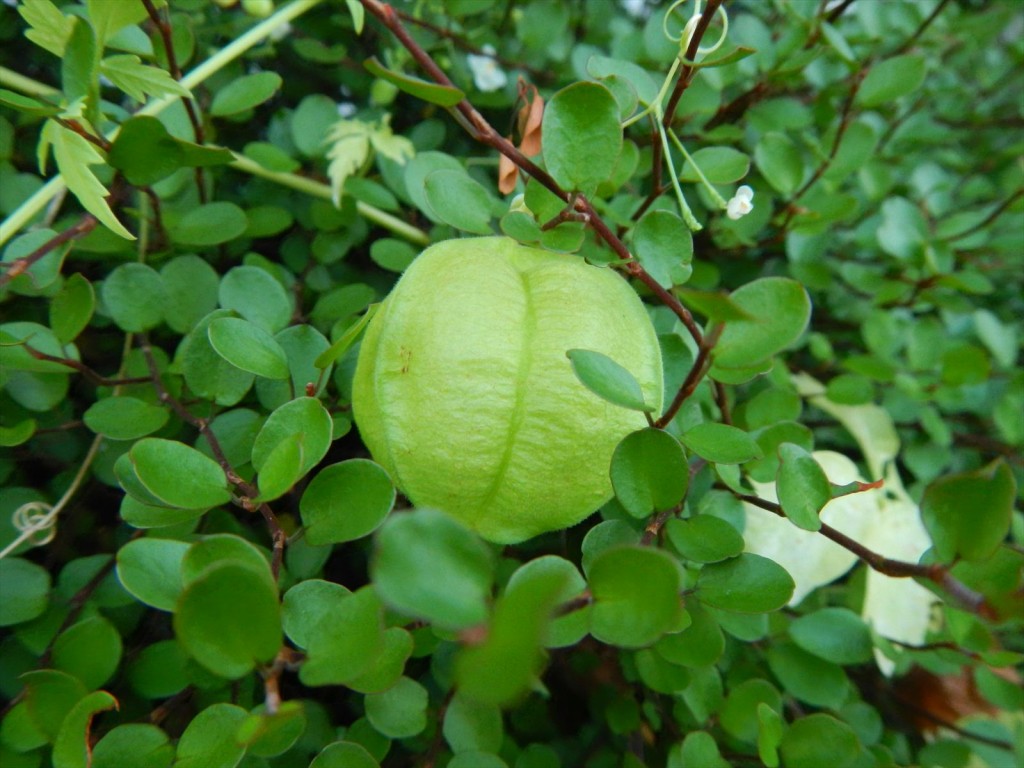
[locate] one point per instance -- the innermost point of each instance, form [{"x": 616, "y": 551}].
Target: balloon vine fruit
[{"x": 464, "y": 394}]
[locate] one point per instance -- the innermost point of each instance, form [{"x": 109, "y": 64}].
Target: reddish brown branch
[
  {"x": 82, "y": 368},
  {"x": 937, "y": 574},
  {"x": 249, "y": 492},
  {"x": 163, "y": 27},
  {"x": 86, "y": 225}
]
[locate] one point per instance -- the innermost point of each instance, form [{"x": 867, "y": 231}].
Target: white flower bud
[
  {"x": 741, "y": 204},
  {"x": 487, "y": 75}
]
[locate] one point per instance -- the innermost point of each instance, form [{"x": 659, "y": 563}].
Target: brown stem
[
  {"x": 844, "y": 123},
  {"x": 82, "y": 368},
  {"x": 921, "y": 28},
  {"x": 85, "y": 225},
  {"x": 990, "y": 218},
  {"x": 697, "y": 372},
  {"x": 248, "y": 491},
  {"x": 76, "y": 127},
  {"x": 163, "y": 27},
  {"x": 899, "y": 569},
  {"x": 687, "y": 71}
]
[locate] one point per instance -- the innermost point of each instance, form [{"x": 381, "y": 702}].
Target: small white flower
[
  {"x": 487, "y": 75},
  {"x": 741, "y": 203},
  {"x": 346, "y": 109}
]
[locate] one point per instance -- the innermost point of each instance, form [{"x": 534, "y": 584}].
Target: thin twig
[
  {"x": 163, "y": 26},
  {"x": 899, "y": 569},
  {"x": 249, "y": 492},
  {"x": 697, "y": 372},
  {"x": 82, "y": 368},
  {"x": 85, "y": 225},
  {"x": 921, "y": 28}
]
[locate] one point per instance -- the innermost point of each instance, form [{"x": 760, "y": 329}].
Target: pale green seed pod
[{"x": 464, "y": 394}]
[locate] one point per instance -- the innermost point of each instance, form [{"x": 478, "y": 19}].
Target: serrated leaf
[
  {"x": 349, "y": 150},
  {"x": 74, "y": 154},
  {"x": 607, "y": 379},
  {"x": 49, "y": 28},
  {"x": 139, "y": 80}
]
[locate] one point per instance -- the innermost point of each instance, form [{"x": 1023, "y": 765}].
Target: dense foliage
[{"x": 813, "y": 556}]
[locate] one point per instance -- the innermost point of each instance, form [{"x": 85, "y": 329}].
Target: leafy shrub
[{"x": 812, "y": 557}]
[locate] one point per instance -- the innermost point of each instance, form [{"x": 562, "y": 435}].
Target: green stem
[
  {"x": 316, "y": 189},
  {"x": 704, "y": 179},
  {"x": 684, "y": 207},
  {"x": 17, "y": 82}
]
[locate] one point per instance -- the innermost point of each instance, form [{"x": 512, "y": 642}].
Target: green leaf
[
  {"x": 255, "y": 295},
  {"x": 19, "y": 434},
  {"x": 649, "y": 472},
  {"x": 504, "y": 667},
  {"x": 190, "y": 291},
  {"x": 746, "y": 584},
  {"x": 344, "y": 643},
  {"x": 769, "y": 735},
  {"x": 471, "y": 725},
  {"x": 428, "y": 565},
  {"x": 334, "y": 353},
  {"x": 344, "y": 754},
  {"x": 780, "y": 310},
  {"x": 704, "y": 538},
  {"x": 247, "y": 346},
  {"x": 150, "y": 569},
  {"x": 139, "y": 80},
  {"x": 51, "y": 695},
  {"x": 780, "y": 162},
  {"x": 562, "y": 631},
  {"x": 833, "y": 634},
  {"x": 636, "y": 596},
  {"x": 228, "y": 619},
  {"x": 802, "y": 486},
  {"x": 890, "y": 79},
  {"x": 26, "y": 591},
  {"x": 717, "y": 306},
  {"x": 399, "y": 712},
  {"x": 209, "y": 224},
  {"x": 968, "y": 514},
  {"x": 72, "y": 308},
  {"x": 663, "y": 245},
  {"x": 582, "y": 136},
  {"x": 346, "y": 501},
  {"x": 133, "y": 295},
  {"x": 721, "y": 443},
  {"x": 133, "y": 745},
  {"x": 145, "y": 152},
  {"x": 348, "y": 152},
  {"x": 819, "y": 739},
  {"x": 48, "y": 27},
  {"x": 395, "y": 650},
  {"x": 698, "y": 748},
  {"x": 90, "y": 650},
  {"x": 124, "y": 418},
  {"x": 303, "y": 345},
  {"x": 178, "y": 474},
  {"x": 304, "y": 417},
  {"x": 109, "y": 18},
  {"x": 271, "y": 734},
  {"x": 720, "y": 165},
  {"x": 209, "y": 739},
  {"x": 74, "y": 154},
  {"x": 739, "y": 715},
  {"x": 442, "y": 95},
  {"x": 245, "y": 93},
  {"x": 223, "y": 549},
  {"x": 807, "y": 677},
  {"x": 208, "y": 374},
  {"x": 460, "y": 201},
  {"x": 602, "y": 67},
  {"x": 607, "y": 379},
  {"x": 358, "y": 15},
  {"x": 72, "y": 749},
  {"x": 78, "y": 72}
]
